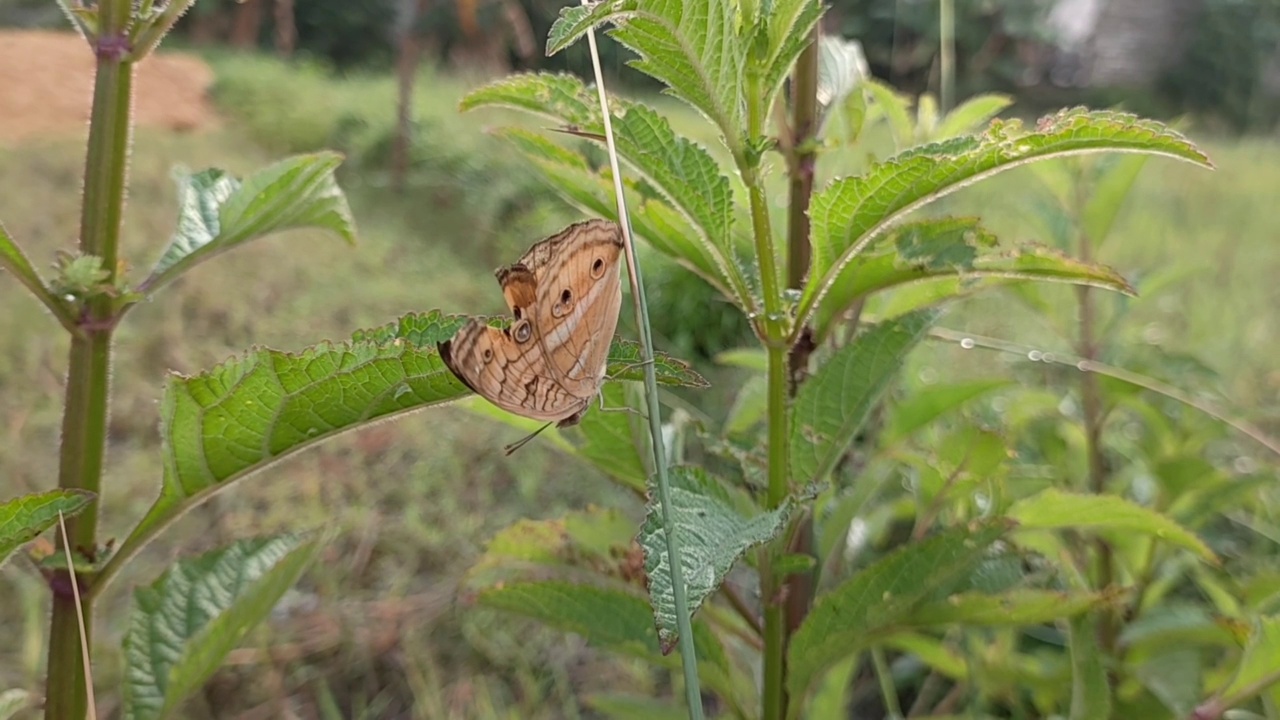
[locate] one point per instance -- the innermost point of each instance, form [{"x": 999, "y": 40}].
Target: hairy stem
[{"x": 84, "y": 421}]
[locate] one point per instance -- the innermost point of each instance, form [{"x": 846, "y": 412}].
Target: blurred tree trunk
[
  {"x": 407, "y": 56},
  {"x": 247, "y": 26},
  {"x": 286, "y": 28}
]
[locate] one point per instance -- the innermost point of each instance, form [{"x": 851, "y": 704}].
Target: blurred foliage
[{"x": 1224, "y": 74}]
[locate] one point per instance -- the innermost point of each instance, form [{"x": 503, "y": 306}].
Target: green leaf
[
  {"x": 749, "y": 406},
  {"x": 969, "y": 115},
  {"x": 184, "y": 624},
  {"x": 15, "y": 261},
  {"x": 896, "y": 109},
  {"x": 561, "y": 543},
  {"x": 1090, "y": 692},
  {"x": 1023, "y": 606},
  {"x": 712, "y": 534},
  {"x": 1174, "y": 677},
  {"x": 691, "y": 46},
  {"x": 1108, "y": 195},
  {"x": 1053, "y": 509},
  {"x": 1259, "y": 668},
  {"x": 831, "y": 697},
  {"x": 217, "y": 212},
  {"x": 953, "y": 272},
  {"x": 880, "y": 597},
  {"x": 748, "y": 358},
  {"x": 253, "y": 410},
  {"x": 833, "y": 404},
  {"x": 632, "y": 707},
  {"x": 13, "y": 702},
  {"x": 682, "y": 171},
  {"x": 789, "y": 24},
  {"x": 930, "y": 403},
  {"x": 23, "y": 518},
  {"x": 610, "y": 441},
  {"x": 609, "y": 619},
  {"x": 852, "y": 212}
]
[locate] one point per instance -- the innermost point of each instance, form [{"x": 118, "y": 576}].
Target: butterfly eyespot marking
[
  {"x": 522, "y": 332},
  {"x": 597, "y": 268},
  {"x": 566, "y": 297},
  {"x": 487, "y": 355}
]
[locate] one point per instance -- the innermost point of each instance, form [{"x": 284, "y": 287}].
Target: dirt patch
[{"x": 46, "y": 87}]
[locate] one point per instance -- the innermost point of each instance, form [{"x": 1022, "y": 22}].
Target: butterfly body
[{"x": 549, "y": 363}]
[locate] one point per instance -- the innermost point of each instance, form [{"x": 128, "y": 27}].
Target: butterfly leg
[
  {"x": 624, "y": 408},
  {"x": 627, "y": 367}
]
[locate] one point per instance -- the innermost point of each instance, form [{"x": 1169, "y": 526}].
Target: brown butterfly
[{"x": 549, "y": 364}]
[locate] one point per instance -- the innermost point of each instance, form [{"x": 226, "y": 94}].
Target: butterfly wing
[
  {"x": 577, "y": 297},
  {"x": 506, "y": 371}
]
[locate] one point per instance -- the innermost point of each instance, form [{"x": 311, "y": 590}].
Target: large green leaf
[
  {"x": 852, "y": 212},
  {"x": 217, "y": 212},
  {"x": 1052, "y": 509},
  {"x": 610, "y": 440},
  {"x": 712, "y": 535},
  {"x": 833, "y": 404},
  {"x": 1259, "y": 668},
  {"x": 952, "y": 249},
  {"x": 610, "y": 619},
  {"x": 253, "y": 410},
  {"x": 25, "y": 517},
  {"x": 691, "y": 46},
  {"x": 1090, "y": 691},
  {"x": 880, "y": 597},
  {"x": 682, "y": 171},
  {"x": 185, "y": 623},
  {"x": 930, "y": 403},
  {"x": 665, "y": 228},
  {"x": 1024, "y": 606}
]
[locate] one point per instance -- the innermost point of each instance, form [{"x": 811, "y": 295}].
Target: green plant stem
[
  {"x": 84, "y": 422},
  {"x": 775, "y": 621},
  {"x": 801, "y": 587},
  {"x": 1094, "y": 417},
  {"x": 684, "y": 622},
  {"x": 888, "y": 692},
  {"x": 947, "y": 54}
]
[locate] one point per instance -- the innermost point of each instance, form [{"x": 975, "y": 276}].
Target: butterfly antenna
[{"x": 524, "y": 440}]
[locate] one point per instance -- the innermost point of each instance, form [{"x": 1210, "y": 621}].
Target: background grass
[{"x": 375, "y": 630}]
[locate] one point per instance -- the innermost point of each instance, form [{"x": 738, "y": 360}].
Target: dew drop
[
  {"x": 311, "y": 432},
  {"x": 967, "y": 343},
  {"x": 401, "y": 390},
  {"x": 69, "y": 297},
  {"x": 1048, "y": 357},
  {"x": 1035, "y": 356},
  {"x": 1245, "y": 465}
]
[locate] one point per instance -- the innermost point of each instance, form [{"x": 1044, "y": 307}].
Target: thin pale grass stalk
[
  {"x": 684, "y": 625},
  {"x": 84, "y": 633},
  {"x": 1244, "y": 427}
]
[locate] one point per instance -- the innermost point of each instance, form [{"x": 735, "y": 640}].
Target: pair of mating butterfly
[{"x": 549, "y": 363}]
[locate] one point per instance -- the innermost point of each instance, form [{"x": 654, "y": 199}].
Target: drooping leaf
[
  {"x": 895, "y": 107},
  {"x": 253, "y": 410},
  {"x": 1022, "y": 606},
  {"x": 217, "y": 212},
  {"x": 831, "y": 697},
  {"x": 852, "y": 212},
  {"x": 880, "y": 597},
  {"x": 954, "y": 273},
  {"x": 691, "y": 47},
  {"x": 1052, "y": 509},
  {"x": 23, "y": 518},
  {"x": 184, "y": 624},
  {"x": 1090, "y": 691},
  {"x": 609, "y": 619},
  {"x": 1108, "y": 196},
  {"x": 841, "y": 69},
  {"x": 712, "y": 535},
  {"x": 930, "y": 403},
  {"x": 833, "y": 404}
]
